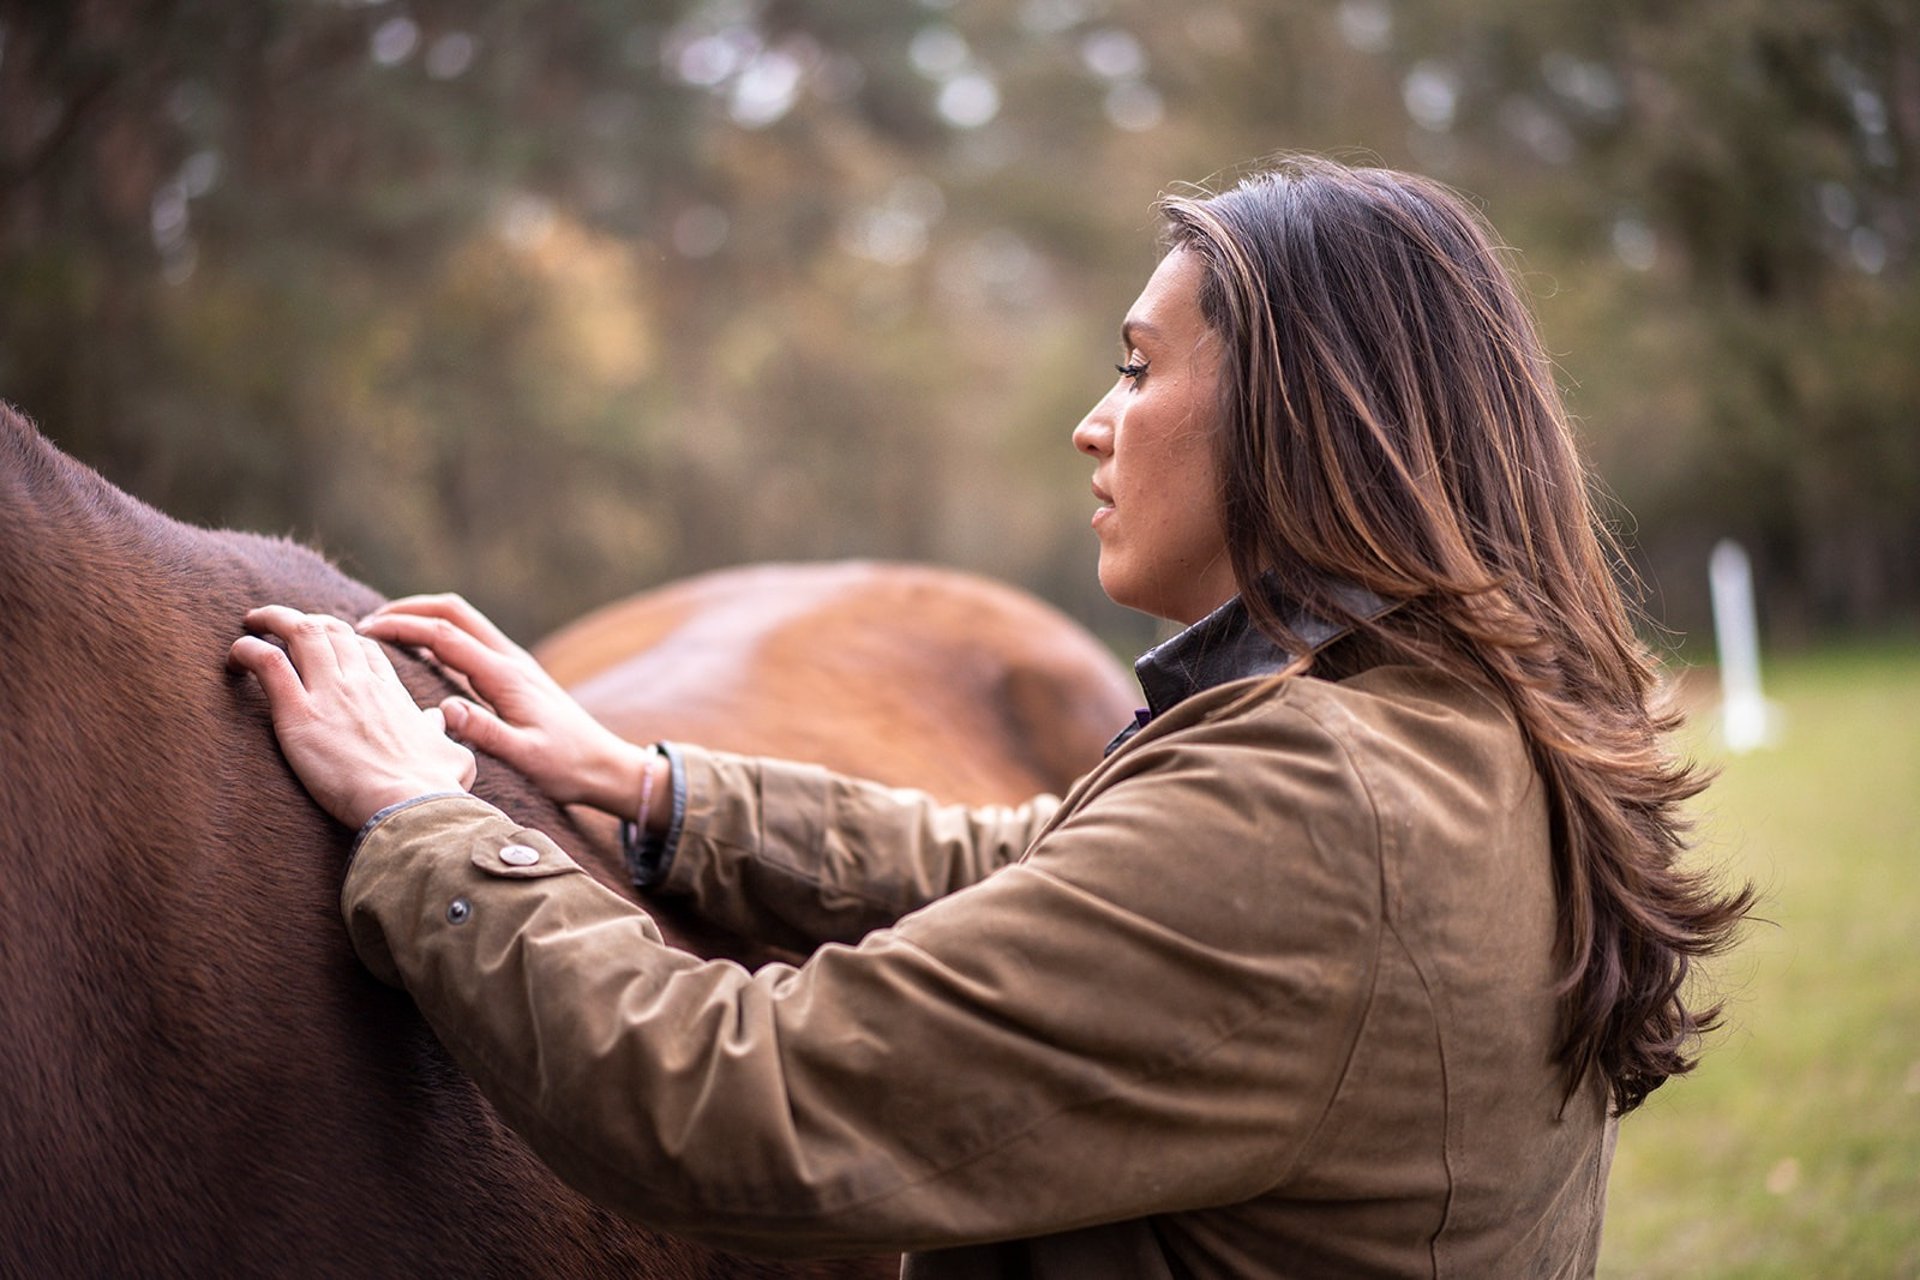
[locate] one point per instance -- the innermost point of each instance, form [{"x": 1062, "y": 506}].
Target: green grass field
[{"x": 1794, "y": 1151}]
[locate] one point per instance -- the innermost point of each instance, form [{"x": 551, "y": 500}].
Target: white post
[{"x": 1743, "y": 711}]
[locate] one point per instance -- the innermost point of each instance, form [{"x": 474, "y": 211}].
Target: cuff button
[
  {"x": 519, "y": 855},
  {"x": 459, "y": 911}
]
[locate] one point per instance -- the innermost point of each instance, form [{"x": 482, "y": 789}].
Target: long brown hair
[{"x": 1390, "y": 419}]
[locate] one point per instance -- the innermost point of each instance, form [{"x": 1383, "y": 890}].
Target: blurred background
[{"x": 550, "y": 301}]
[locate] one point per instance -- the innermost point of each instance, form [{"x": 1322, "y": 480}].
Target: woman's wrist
[
  {"x": 614, "y": 779},
  {"x": 369, "y": 801}
]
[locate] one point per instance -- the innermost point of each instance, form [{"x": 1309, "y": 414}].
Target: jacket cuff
[
  {"x": 423, "y": 871},
  {"x": 366, "y": 828},
  {"x": 687, "y": 844}
]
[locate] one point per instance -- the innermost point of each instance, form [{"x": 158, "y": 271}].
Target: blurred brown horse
[
  {"x": 909, "y": 675},
  {"x": 196, "y": 1077}
]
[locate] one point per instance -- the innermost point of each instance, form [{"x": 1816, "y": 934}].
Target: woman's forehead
[{"x": 1169, "y": 305}]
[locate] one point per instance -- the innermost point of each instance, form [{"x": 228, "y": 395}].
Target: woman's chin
[
  {"x": 1116, "y": 586},
  {"x": 1128, "y": 595}
]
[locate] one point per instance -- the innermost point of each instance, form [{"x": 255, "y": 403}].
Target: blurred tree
[{"x": 551, "y": 299}]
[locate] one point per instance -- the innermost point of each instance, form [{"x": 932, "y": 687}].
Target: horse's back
[{"x": 910, "y": 675}]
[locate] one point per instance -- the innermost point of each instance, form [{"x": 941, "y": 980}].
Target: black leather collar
[{"x": 1226, "y": 645}]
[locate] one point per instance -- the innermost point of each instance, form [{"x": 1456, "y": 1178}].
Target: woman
[{"x": 1343, "y": 961}]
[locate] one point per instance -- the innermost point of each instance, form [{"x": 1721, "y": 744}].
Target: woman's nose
[{"x": 1094, "y": 435}]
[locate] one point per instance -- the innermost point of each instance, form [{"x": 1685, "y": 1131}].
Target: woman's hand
[
  {"x": 531, "y": 722},
  {"x": 348, "y": 726}
]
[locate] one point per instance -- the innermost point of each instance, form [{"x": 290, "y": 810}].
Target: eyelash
[{"x": 1132, "y": 371}]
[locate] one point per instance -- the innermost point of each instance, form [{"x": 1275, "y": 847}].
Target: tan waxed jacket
[{"x": 1269, "y": 993}]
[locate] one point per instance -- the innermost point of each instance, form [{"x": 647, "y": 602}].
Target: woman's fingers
[
  {"x": 478, "y": 728},
  {"x": 453, "y": 609},
  {"x": 457, "y": 648},
  {"x": 437, "y": 717},
  {"x": 315, "y": 642},
  {"x": 271, "y": 667},
  {"x": 344, "y": 719},
  {"x": 474, "y": 725}
]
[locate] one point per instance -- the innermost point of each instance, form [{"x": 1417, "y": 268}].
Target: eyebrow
[{"x": 1129, "y": 328}]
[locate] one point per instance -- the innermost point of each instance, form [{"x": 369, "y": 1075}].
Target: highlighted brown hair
[{"x": 1390, "y": 419}]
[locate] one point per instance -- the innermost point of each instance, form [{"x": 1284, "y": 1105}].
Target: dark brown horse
[{"x": 196, "y": 1077}]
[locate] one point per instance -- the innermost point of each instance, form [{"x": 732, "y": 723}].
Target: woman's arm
[
  {"x": 1150, "y": 1012},
  {"x": 795, "y": 855},
  {"x": 1165, "y": 990}
]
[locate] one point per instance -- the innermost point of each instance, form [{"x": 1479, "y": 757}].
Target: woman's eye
[{"x": 1131, "y": 370}]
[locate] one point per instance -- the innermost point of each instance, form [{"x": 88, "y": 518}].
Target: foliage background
[{"x": 548, "y": 300}]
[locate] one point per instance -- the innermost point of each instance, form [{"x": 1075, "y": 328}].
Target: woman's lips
[{"x": 1106, "y": 504}]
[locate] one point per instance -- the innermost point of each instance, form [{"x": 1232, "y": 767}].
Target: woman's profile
[{"x": 1344, "y": 961}]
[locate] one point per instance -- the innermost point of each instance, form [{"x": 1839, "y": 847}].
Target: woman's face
[{"x": 1162, "y": 548}]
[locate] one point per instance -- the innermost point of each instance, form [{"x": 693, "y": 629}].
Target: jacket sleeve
[
  {"x": 793, "y": 855},
  {"x": 1149, "y": 1012}
]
